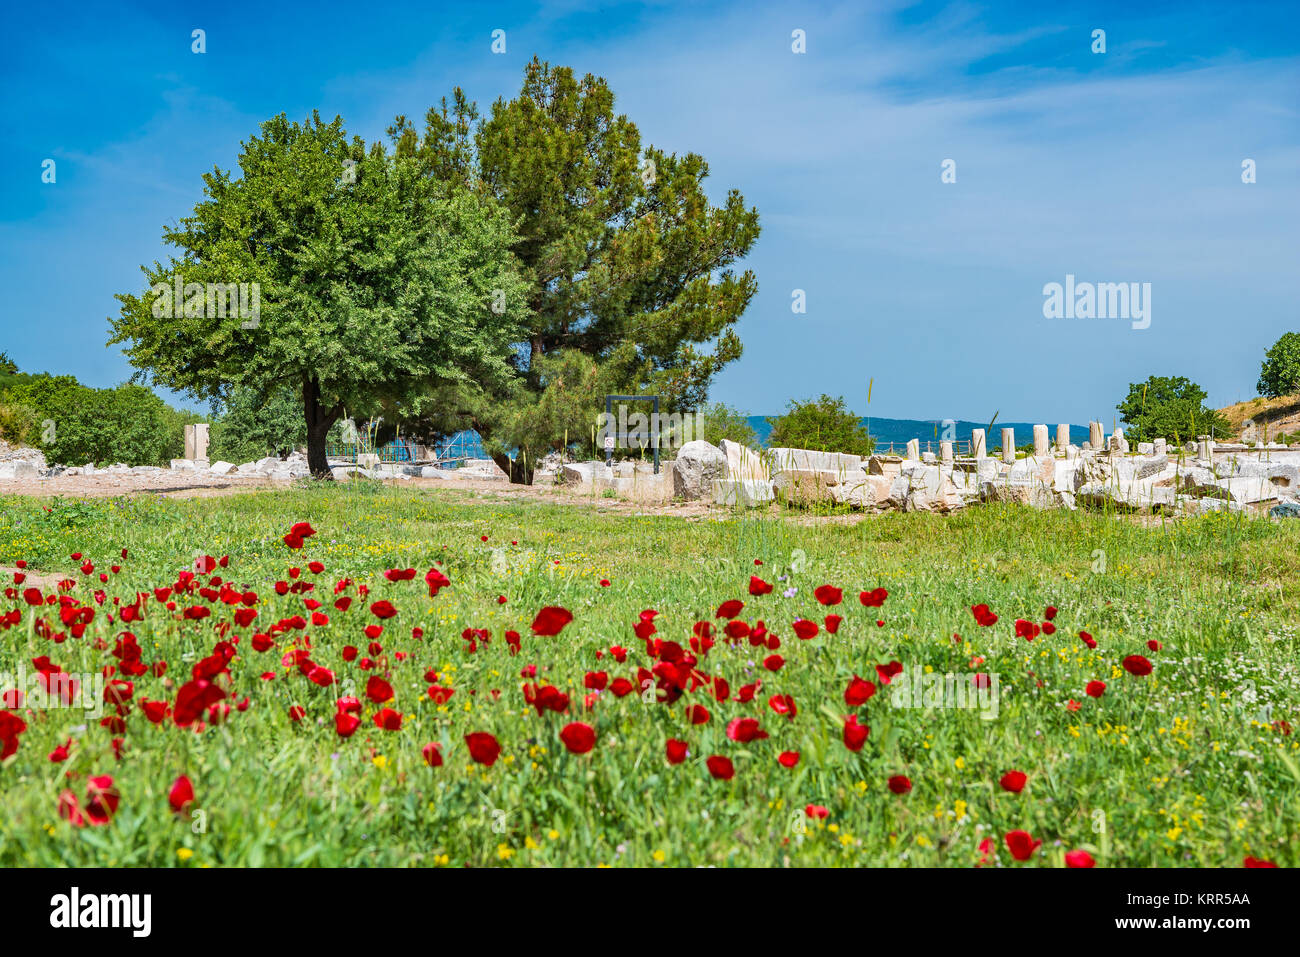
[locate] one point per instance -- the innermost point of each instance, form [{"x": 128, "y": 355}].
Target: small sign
[{"x": 609, "y": 443}]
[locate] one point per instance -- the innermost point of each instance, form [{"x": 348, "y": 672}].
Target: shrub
[
  {"x": 723, "y": 422},
  {"x": 124, "y": 424},
  {"x": 823, "y": 425},
  {"x": 18, "y": 424}
]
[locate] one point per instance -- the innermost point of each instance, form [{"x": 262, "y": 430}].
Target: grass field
[{"x": 1193, "y": 764}]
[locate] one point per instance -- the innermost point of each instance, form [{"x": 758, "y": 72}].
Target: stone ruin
[{"x": 1105, "y": 473}]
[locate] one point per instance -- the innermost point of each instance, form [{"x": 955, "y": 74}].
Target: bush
[
  {"x": 1169, "y": 407},
  {"x": 824, "y": 425},
  {"x": 124, "y": 424},
  {"x": 1279, "y": 374},
  {"x": 18, "y": 424},
  {"x": 723, "y": 422}
]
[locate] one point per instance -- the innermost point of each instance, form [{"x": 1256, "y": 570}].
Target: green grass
[{"x": 1172, "y": 769}]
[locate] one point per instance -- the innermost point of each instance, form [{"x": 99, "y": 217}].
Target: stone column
[
  {"x": 945, "y": 453},
  {"x": 977, "y": 446},
  {"x": 1160, "y": 446},
  {"x": 1062, "y": 438},
  {"x": 201, "y": 443},
  {"x": 1094, "y": 435},
  {"x": 189, "y": 442},
  {"x": 1205, "y": 449},
  {"x": 1009, "y": 445},
  {"x": 913, "y": 449},
  {"x": 1041, "y": 447}
]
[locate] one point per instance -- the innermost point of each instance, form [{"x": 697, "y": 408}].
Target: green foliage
[
  {"x": 252, "y": 425},
  {"x": 823, "y": 425},
  {"x": 74, "y": 424},
  {"x": 569, "y": 400},
  {"x": 1169, "y": 407},
  {"x": 625, "y": 258},
  {"x": 18, "y": 423},
  {"x": 1279, "y": 374},
  {"x": 375, "y": 280},
  {"x": 7, "y": 365},
  {"x": 723, "y": 422}
]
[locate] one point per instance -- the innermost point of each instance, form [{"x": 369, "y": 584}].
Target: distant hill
[{"x": 902, "y": 431}]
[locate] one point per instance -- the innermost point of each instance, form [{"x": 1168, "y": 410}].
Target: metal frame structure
[{"x": 654, "y": 423}]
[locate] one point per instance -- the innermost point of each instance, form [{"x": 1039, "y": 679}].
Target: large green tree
[
  {"x": 627, "y": 261},
  {"x": 1279, "y": 375},
  {"x": 1169, "y": 407},
  {"x": 375, "y": 281}
]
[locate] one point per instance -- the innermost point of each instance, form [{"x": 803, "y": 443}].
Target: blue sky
[{"x": 1115, "y": 167}]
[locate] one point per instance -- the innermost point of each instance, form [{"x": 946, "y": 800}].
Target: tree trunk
[
  {"x": 515, "y": 469},
  {"x": 319, "y": 420}
]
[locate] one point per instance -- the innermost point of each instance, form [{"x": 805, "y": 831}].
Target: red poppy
[
  {"x": 383, "y": 609},
  {"x": 1079, "y": 859},
  {"x": 1049, "y": 612},
  {"x": 1095, "y": 689},
  {"x": 858, "y": 692},
  {"x": 816, "y": 811},
  {"x": 388, "y": 719},
  {"x": 432, "y": 753},
  {"x": 436, "y": 580},
  {"x": 698, "y": 714},
  {"x": 730, "y": 609},
  {"x": 101, "y": 799},
  {"x": 1137, "y": 665},
  {"x": 378, "y": 690},
  {"x": 1013, "y": 781},
  {"x": 855, "y": 735},
  {"x": 757, "y": 586},
  {"x": 1021, "y": 845},
  {"x": 788, "y": 759},
  {"x": 828, "y": 594},
  {"x": 676, "y": 751},
  {"x": 1256, "y": 862},
  {"x": 346, "y": 724},
  {"x": 483, "y": 747},
  {"x": 181, "y": 795},
  {"x": 887, "y": 671},
  {"x": 983, "y": 616},
  {"x": 579, "y": 738},
  {"x": 773, "y": 662},
  {"x": 551, "y": 621},
  {"x": 783, "y": 704},
  {"x": 874, "y": 598},
  {"x": 900, "y": 784},
  {"x": 745, "y": 730},
  {"x": 1087, "y": 639},
  {"x": 805, "y": 629},
  {"x": 721, "y": 768}
]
